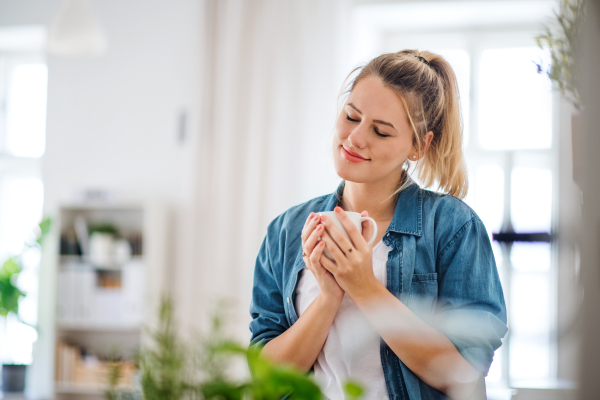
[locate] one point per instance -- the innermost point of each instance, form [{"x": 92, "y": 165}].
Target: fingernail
[
  {"x": 323, "y": 218},
  {"x": 337, "y": 210},
  {"x": 319, "y": 227}
]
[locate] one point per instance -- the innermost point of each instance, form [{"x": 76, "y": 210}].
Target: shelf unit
[{"x": 102, "y": 310}]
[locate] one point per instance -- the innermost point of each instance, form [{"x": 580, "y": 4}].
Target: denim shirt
[{"x": 440, "y": 265}]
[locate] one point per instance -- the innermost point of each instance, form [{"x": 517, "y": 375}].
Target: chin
[
  {"x": 362, "y": 173},
  {"x": 352, "y": 172}
]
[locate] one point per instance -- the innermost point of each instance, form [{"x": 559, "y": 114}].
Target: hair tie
[{"x": 424, "y": 60}]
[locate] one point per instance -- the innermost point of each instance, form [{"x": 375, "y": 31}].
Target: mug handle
[{"x": 371, "y": 220}]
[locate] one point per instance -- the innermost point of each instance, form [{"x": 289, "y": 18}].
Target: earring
[{"x": 414, "y": 157}]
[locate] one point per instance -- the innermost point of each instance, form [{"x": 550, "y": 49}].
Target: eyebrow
[{"x": 378, "y": 121}]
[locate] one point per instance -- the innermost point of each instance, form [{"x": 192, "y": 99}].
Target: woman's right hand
[{"x": 313, "y": 251}]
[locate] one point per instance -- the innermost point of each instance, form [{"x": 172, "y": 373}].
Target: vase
[
  {"x": 101, "y": 249},
  {"x": 13, "y": 378}
]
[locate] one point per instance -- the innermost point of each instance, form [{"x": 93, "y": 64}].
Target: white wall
[{"x": 113, "y": 121}]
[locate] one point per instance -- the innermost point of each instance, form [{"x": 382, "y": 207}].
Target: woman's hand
[
  {"x": 313, "y": 254},
  {"x": 353, "y": 263}
]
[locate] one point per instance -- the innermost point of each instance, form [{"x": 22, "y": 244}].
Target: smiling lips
[{"x": 352, "y": 156}]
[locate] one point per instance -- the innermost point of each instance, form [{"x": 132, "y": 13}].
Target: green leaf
[
  {"x": 11, "y": 267},
  {"x": 106, "y": 228},
  {"x": 353, "y": 389},
  {"x": 44, "y": 229},
  {"x": 9, "y": 293}
]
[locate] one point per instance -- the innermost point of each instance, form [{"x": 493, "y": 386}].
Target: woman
[{"x": 428, "y": 290}]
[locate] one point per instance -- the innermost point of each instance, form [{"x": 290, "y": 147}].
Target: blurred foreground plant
[
  {"x": 562, "y": 41},
  {"x": 172, "y": 369}
]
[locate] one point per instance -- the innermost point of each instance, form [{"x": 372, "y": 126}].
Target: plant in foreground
[{"x": 172, "y": 369}]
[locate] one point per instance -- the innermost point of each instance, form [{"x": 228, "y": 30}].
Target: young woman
[{"x": 428, "y": 289}]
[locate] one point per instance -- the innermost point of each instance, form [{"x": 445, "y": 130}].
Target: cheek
[
  {"x": 341, "y": 128},
  {"x": 402, "y": 156},
  {"x": 392, "y": 154}
]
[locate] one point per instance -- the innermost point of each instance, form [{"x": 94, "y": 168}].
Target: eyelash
[{"x": 376, "y": 131}]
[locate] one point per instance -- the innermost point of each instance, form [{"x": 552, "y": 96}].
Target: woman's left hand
[{"x": 353, "y": 265}]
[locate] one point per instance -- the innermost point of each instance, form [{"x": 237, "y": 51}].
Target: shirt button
[
  {"x": 387, "y": 234},
  {"x": 288, "y": 300},
  {"x": 387, "y": 352}
]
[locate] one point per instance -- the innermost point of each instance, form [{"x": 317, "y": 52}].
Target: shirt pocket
[{"x": 423, "y": 294}]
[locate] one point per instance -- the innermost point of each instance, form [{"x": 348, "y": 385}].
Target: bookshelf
[{"x": 108, "y": 287}]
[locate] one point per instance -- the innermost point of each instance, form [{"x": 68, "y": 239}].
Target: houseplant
[
  {"x": 13, "y": 375},
  {"x": 561, "y": 39},
  {"x": 171, "y": 368},
  {"x": 102, "y": 238}
]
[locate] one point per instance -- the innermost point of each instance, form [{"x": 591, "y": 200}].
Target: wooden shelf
[
  {"x": 104, "y": 206},
  {"x": 84, "y": 389},
  {"x": 83, "y": 262},
  {"x": 73, "y": 388},
  {"x": 99, "y": 328}
]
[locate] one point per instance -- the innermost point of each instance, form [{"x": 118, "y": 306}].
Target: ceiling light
[{"x": 74, "y": 31}]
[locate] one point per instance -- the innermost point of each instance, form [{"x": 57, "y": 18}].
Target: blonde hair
[{"x": 427, "y": 87}]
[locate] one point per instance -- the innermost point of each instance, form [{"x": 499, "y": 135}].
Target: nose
[{"x": 357, "y": 137}]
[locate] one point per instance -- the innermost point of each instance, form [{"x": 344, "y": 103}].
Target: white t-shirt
[{"x": 352, "y": 348}]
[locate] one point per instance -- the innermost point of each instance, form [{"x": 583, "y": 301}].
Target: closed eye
[
  {"x": 376, "y": 131},
  {"x": 380, "y": 134}
]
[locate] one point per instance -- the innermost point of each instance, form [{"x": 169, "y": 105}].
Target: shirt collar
[
  {"x": 408, "y": 213},
  {"x": 409, "y": 209}
]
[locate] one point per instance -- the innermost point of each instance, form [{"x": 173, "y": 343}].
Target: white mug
[{"x": 356, "y": 219}]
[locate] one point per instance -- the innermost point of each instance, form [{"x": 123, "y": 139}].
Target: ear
[{"x": 416, "y": 155}]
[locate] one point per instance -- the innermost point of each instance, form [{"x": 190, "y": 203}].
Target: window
[{"x": 23, "y": 85}]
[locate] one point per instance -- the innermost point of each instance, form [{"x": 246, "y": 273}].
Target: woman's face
[{"x": 373, "y": 136}]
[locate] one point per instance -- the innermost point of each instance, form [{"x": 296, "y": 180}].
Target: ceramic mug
[{"x": 356, "y": 219}]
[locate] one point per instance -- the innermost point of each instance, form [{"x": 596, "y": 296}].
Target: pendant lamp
[{"x": 75, "y": 32}]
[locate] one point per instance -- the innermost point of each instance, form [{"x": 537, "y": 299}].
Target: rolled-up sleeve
[
  {"x": 267, "y": 308},
  {"x": 470, "y": 309}
]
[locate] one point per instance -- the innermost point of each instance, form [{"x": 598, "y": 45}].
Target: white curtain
[{"x": 269, "y": 105}]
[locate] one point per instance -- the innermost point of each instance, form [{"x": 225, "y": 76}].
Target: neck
[{"x": 373, "y": 197}]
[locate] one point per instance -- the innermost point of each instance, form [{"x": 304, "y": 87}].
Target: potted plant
[
  {"x": 102, "y": 237},
  {"x": 13, "y": 375}
]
